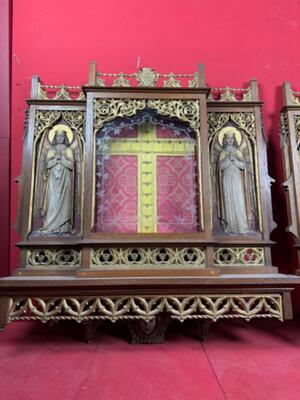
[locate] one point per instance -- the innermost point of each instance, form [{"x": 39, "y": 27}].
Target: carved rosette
[
  {"x": 147, "y": 77},
  {"x": 205, "y": 306},
  {"x": 148, "y": 257}
]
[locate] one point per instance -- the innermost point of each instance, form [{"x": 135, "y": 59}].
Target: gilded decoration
[
  {"x": 63, "y": 92},
  {"x": 244, "y": 120},
  {"x": 53, "y": 258},
  {"x": 185, "y": 110},
  {"x": 108, "y": 109},
  {"x": 206, "y": 306},
  {"x": 46, "y": 119},
  {"x": 148, "y": 77},
  {"x": 172, "y": 81},
  {"x": 121, "y": 81},
  {"x": 193, "y": 83},
  {"x": 228, "y": 94},
  {"x": 148, "y": 257},
  {"x": 226, "y": 256}
]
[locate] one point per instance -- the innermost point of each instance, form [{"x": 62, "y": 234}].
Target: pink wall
[
  {"x": 5, "y": 65},
  {"x": 235, "y": 39}
]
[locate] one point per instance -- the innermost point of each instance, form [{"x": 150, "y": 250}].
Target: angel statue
[
  {"x": 59, "y": 166},
  {"x": 234, "y": 182}
]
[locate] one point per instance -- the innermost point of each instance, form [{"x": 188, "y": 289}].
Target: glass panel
[{"x": 146, "y": 175}]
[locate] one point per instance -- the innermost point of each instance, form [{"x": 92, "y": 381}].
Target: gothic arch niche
[
  {"x": 234, "y": 180},
  {"x": 57, "y": 190},
  {"x": 146, "y": 175}
]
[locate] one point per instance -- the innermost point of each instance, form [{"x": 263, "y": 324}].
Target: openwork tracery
[
  {"x": 206, "y": 306},
  {"x": 239, "y": 256},
  {"x": 149, "y": 257},
  {"x": 54, "y": 258},
  {"x": 108, "y": 109}
]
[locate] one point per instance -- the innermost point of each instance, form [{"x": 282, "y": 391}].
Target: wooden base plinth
[{"x": 146, "y": 303}]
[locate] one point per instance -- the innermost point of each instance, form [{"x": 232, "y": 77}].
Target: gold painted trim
[
  {"x": 45, "y": 258},
  {"x": 227, "y": 256},
  {"x": 180, "y": 307},
  {"x": 174, "y": 257}
]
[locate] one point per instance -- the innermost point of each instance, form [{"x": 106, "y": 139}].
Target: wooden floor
[{"x": 241, "y": 361}]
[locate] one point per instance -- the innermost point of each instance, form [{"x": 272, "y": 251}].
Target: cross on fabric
[{"x": 147, "y": 146}]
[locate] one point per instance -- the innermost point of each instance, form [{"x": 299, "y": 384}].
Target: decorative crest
[{"x": 147, "y": 77}]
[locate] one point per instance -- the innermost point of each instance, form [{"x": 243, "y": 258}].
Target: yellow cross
[{"x": 147, "y": 147}]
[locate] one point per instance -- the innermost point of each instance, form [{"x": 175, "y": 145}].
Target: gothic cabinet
[
  {"x": 290, "y": 143},
  {"x": 144, "y": 194}
]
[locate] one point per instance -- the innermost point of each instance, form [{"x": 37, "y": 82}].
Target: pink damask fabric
[
  {"x": 117, "y": 207},
  {"x": 117, "y": 184},
  {"x": 176, "y": 194}
]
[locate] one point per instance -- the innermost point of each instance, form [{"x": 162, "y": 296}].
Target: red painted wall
[
  {"x": 5, "y": 75},
  {"x": 235, "y": 39}
]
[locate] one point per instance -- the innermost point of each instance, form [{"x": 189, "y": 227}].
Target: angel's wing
[
  {"x": 41, "y": 174},
  {"x": 214, "y": 154},
  {"x": 77, "y": 153},
  {"x": 249, "y": 159}
]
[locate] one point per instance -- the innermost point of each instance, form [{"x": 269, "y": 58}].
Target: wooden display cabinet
[
  {"x": 144, "y": 197},
  {"x": 290, "y": 144}
]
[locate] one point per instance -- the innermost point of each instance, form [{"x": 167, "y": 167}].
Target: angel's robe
[
  {"x": 234, "y": 212},
  {"x": 57, "y": 205}
]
